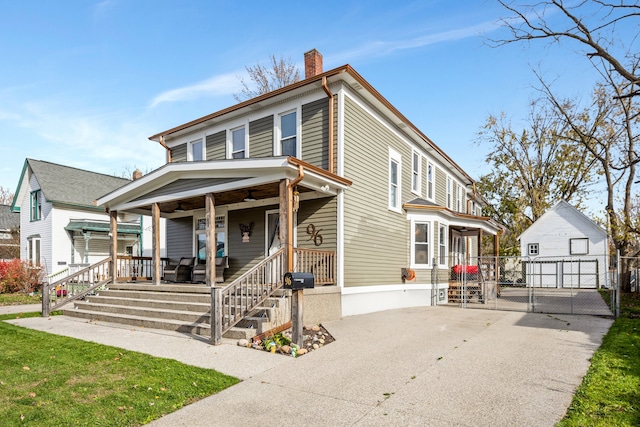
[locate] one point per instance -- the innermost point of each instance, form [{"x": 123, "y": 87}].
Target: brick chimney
[{"x": 312, "y": 63}]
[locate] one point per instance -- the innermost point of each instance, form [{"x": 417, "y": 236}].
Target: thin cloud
[
  {"x": 384, "y": 48},
  {"x": 224, "y": 84}
]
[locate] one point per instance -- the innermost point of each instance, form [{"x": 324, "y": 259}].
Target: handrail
[
  {"x": 230, "y": 304},
  {"x": 75, "y": 286}
]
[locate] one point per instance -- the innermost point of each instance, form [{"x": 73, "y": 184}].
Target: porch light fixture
[
  {"x": 179, "y": 208},
  {"x": 250, "y": 197}
]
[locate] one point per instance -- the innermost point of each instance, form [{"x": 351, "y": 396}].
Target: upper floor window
[
  {"x": 449, "y": 194},
  {"x": 420, "y": 243},
  {"x": 238, "y": 143},
  {"x": 430, "y": 173},
  {"x": 36, "y": 206},
  {"x": 288, "y": 135},
  {"x": 395, "y": 172},
  {"x": 459, "y": 199},
  {"x": 196, "y": 150},
  {"x": 415, "y": 173}
]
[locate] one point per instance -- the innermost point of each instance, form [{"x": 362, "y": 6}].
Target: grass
[
  {"x": 49, "y": 380},
  {"x": 610, "y": 391},
  {"x": 14, "y": 299}
]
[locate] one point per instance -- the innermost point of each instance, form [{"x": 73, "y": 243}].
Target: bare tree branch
[{"x": 279, "y": 73}]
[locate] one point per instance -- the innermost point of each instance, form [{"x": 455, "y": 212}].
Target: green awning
[{"x": 101, "y": 226}]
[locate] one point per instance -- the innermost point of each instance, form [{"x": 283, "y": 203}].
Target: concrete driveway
[{"x": 433, "y": 366}]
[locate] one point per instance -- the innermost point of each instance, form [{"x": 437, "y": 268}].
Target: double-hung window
[
  {"x": 196, "y": 150},
  {"x": 449, "y": 194},
  {"x": 442, "y": 244},
  {"x": 238, "y": 143},
  {"x": 420, "y": 243},
  {"x": 459, "y": 199},
  {"x": 36, "y": 206},
  {"x": 415, "y": 173},
  {"x": 34, "y": 251},
  {"x": 288, "y": 135},
  {"x": 395, "y": 173},
  {"x": 430, "y": 173}
]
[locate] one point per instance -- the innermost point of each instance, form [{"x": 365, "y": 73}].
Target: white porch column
[{"x": 155, "y": 244}]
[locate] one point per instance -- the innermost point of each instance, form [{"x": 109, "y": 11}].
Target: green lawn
[
  {"x": 50, "y": 380},
  {"x": 14, "y": 299},
  {"x": 610, "y": 392}
]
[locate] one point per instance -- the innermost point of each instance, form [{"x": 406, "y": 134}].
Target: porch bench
[
  {"x": 200, "y": 273},
  {"x": 180, "y": 272}
]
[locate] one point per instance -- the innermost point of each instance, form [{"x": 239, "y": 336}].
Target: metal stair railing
[
  {"x": 74, "y": 286},
  {"x": 231, "y": 303}
]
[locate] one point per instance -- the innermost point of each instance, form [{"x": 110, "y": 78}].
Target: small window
[
  {"x": 395, "y": 172},
  {"x": 36, "y": 206},
  {"x": 579, "y": 246},
  {"x": 421, "y": 243},
  {"x": 442, "y": 245},
  {"x": 288, "y": 135},
  {"x": 449, "y": 194},
  {"x": 238, "y": 144},
  {"x": 533, "y": 249},
  {"x": 34, "y": 251},
  {"x": 415, "y": 173},
  {"x": 196, "y": 152},
  {"x": 459, "y": 199},
  {"x": 430, "y": 181}
]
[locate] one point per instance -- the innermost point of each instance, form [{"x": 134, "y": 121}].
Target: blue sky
[{"x": 85, "y": 83}]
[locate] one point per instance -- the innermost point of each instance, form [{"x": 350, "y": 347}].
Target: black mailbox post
[{"x": 297, "y": 281}]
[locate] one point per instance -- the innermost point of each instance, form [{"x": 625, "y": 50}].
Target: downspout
[
  {"x": 161, "y": 141},
  {"x": 325, "y": 86},
  {"x": 289, "y": 242}
]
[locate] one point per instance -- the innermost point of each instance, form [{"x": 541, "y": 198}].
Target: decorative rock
[
  {"x": 285, "y": 349},
  {"x": 321, "y": 340},
  {"x": 243, "y": 342},
  {"x": 315, "y": 328},
  {"x": 316, "y": 346},
  {"x": 302, "y": 351}
]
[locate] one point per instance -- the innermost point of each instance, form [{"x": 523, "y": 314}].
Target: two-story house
[
  {"x": 324, "y": 164},
  {"x": 62, "y": 229}
]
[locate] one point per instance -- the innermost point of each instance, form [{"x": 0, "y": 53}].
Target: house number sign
[{"x": 314, "y": 234}]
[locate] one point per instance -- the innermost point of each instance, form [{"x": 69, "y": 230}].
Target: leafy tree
[
  {"x": 532, "y": 169},
  {"x": 280, "y": 72}
]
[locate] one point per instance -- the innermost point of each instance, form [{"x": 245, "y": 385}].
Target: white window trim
[
  {"x": 449, "y": 193},
  {"x": 577, "y": 250},
  {"x": 277, "y": 143},
  {"x": 433, "y": 182},
  {"x": 446, "y": 244},
  {"x": 412, "y": 251},
  {"x": 394, "y": 156},
  {"x": 230, "y": 140},
  {"x": 418, "y": 179},
  {"x": 530, "y": 245},
  {"x": 190, "y": 145}
]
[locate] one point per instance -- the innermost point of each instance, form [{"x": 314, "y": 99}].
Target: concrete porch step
[
  {"x": 163, "y": 296},
  {"x": 165, "y": 287},
  {"x": 185, "y": 316},
  {"x": 161, "y": 304}
]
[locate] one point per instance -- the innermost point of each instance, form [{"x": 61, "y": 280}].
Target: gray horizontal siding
[
  {"x": 315, "y": 136},
  {"x": 243, "y": 256},
  {"x": 216, "y": 146},
  {"x": 322, "y": 215},
  {"x": 179, "y": 238},
  {"x": 376, "y": 240},
  {"x": 441, "y": 187},
  {"x": 179, "y": 153},
  {"x": 261, "y": 137}
]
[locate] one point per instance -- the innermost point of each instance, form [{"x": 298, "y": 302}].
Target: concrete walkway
[
  {"x": 24, "y": 308},
  {"x": 435, "y": 366}
]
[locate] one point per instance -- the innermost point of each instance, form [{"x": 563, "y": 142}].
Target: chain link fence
[{"x": 555, "y": 285}]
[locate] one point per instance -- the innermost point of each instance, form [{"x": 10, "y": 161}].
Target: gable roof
[
  {"x": 8, "y": 220},
  {"x": 565, "y": 206},
  {"x": 344, "y": 74},
  {"x": 67, "y": 185}
]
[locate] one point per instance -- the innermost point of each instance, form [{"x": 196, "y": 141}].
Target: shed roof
[{"x": 8, "y": 220}]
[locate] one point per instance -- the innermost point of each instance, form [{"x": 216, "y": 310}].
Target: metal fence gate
[{"x": 558, "y": 285}]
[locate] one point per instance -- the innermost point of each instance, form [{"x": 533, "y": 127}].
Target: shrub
[{"x": 19, "y": 276}]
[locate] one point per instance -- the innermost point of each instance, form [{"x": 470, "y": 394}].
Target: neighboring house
[
  {"x": 9, "y": 233},
  {"x": 61, "y": 227},
  {"x": 566, "y": 249},
  {"x": 352, "y": 174}
]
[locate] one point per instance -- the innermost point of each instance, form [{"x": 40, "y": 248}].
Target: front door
[{"x": 272, "y": 234}]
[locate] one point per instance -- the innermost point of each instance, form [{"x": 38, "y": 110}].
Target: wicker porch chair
[{"x": 180, "y": 272}]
